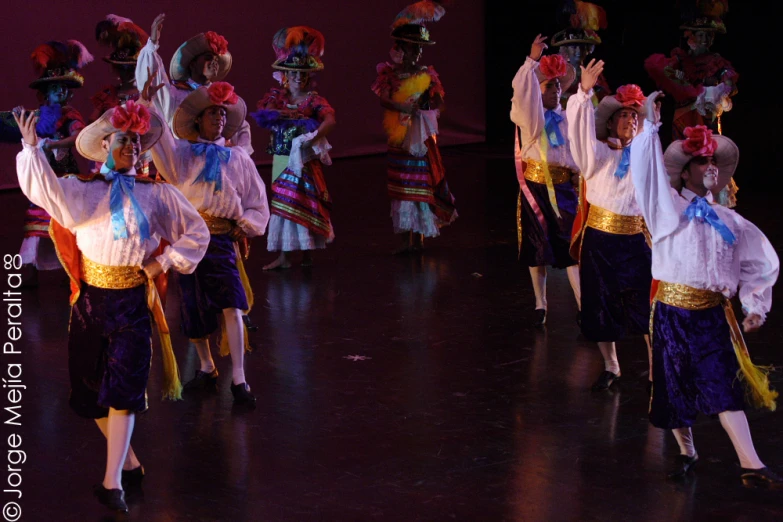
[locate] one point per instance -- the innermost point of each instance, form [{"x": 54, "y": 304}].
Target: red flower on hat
[
  {"x": 131, "y": 118},
  {"x": 217, "y": 43},
  {"x": 222, "y": 93},
  {"x": 552, "y": 66},
  {"x": 630, "y": 95},
  {"x": 699, "y": 141}
]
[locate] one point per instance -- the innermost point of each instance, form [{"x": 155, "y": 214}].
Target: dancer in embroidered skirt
[
  {"x": 300, "y": 119},
  {"x": 421, "y": 203}
]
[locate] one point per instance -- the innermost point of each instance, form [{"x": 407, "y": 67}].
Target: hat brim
[
  {"x": 707, "y": 29},
  {"x": 88, "y": 142},
  {"x": 179, "y": 68},
  {"x": 282, "y": 67},
  {"x": 413, "y": 40},
  {"x": 566, "y": 80},
  {"x": 184, "y": 121},
  {"x": 606, "y": 108},
  {"x": 119, "y": 62},
  {"x": 726, "y": 156},
  {"x": 67, "y": 80}
]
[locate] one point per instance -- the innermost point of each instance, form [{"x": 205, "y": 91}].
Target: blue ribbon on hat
[
  {"x": 552, "y": 127},
  {"x": 123, "y": 184},
  {"x": 625, "y": 163},
  {"x": 701, "y": 210},
  {"x": 215, "y": 156}
]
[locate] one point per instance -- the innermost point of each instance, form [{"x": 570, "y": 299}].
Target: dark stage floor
[{"x": 456, "y": 408}]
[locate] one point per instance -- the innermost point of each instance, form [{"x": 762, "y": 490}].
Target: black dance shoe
[
  {"x": 763, "y": 478},
  {"x": 249, "y": 324},
  {"x": 579, "y": 319},
  {"x": 113, "y": 499},
  {"x": 202, "y": 381},
  {"x": 682, "y": 465},
  {"x": 241, "y": 393},
  {"x": 131, "y": 478},
  {"x": 605, "y": 381},
  {"x": 539, "y": 317}
]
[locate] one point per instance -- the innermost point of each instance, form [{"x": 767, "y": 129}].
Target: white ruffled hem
[
  {"x": 414, "y": 216},
  {"x": 40, "y": 254},
  {"x": 288, "y": 236}
]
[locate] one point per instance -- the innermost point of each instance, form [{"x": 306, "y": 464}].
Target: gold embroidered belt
[
  {"x": 111, "y": 277},
  {"x": 687, "y": 297},
  {"x": 606, "y": 221},
  {"x": 535, "y": 172},
  {"x": 217, "y": 225}
]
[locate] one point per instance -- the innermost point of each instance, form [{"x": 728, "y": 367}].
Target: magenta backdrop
[{"x": 356, "y": 35}]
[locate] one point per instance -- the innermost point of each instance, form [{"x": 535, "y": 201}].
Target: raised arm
[
  {"x": 180, "y": 224},
  {"x": 149, "y": 63},
  {"x": 36, "y": 178},
  {"x": 581, "y": 120},
  {"x": 164, "y": 152},
  {"x": 650, "y": 180},
  {"x": 527, "y": 109}
]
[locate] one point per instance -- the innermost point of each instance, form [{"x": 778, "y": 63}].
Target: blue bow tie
[
  {"x": 625, "y": 163},
  {"x": 121, "y": 184},
  {"x": 215, "y": 156},
  {"x": 701, "y": 210},
  {"x": 551, "y": 127}
]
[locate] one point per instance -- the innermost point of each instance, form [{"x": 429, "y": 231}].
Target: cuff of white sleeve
[
  {"x": 584, "y": 97},
  {"x": 152, "y": 45},
  {"x": 755, "y": 310},
  {"x": 165, "y": 260}
]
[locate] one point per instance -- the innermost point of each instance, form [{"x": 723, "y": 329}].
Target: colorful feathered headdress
[
  {"x": 59, "y": 62},
  {"x": 298, "y": 48},
  {"x": 409, "y": 24},
  {"x": 123, "y": 36},
  {"x": 703, "y": 15},
  {"x": 584, "y": 20}
]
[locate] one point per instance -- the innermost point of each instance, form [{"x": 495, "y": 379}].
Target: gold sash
[
  {"x": 687, "y": 297},
  {"x": 534, "y": 171},
  {"x": 607, "y": 221},
  {"x": 217, "y": 225}
]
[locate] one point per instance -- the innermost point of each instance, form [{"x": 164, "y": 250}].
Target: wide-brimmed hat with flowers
[
  {"x": 584, "y": 19},
  {"x": 124, "y": 38},
  {"x": 626, "y": 97},
  {"x": 554, "y": 66},
  {"x": 703, "y": 15},
  {"x": 209, "y": 42},
  {"x": 298, "y": 48},
  {"x": 60, "y": 62},
  {"x": 218, "y": 93},
  {"x": 409, "y": 24},
  {"x": 129, "y": 117},
  {"x": 701, "y": 142}
]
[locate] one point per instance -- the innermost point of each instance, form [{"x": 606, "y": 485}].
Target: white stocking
[
  {"x": 573, "y": 278},
  {"x": 684, "y": 438},
  {"x": 131, "y": 461},
  {"x": 736, "y": 425},
  {"x": 538, "y": 276},
  {"x": 609, "y": 351},
  {"x": 119, "y": 429},
  {"x": 236, "y": 343},
  {"x": 204, "y": 355}
]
